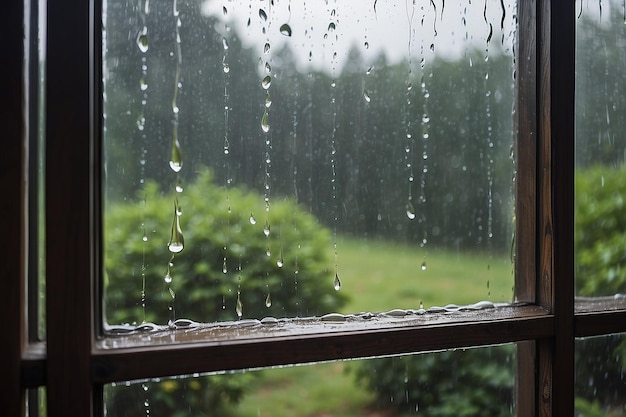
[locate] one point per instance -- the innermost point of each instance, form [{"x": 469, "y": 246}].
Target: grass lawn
[{"x": 378, "y": 276}]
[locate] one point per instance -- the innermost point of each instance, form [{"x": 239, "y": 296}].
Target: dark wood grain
[{"x": 69, "y": 237}]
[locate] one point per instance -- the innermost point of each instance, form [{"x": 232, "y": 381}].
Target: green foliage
[
  {"x": 218, "y": 236},
  {"x": 600, "y": 231},
  {"x": 474, "y": 382}
]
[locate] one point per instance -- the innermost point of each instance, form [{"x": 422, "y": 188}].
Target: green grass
[{"x": 378, "y": 276}]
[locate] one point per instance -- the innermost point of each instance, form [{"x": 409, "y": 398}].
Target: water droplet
[
  {"x": 268, "y": 100},
  {"x": 337, "y": 283},
  {"x": 266, "y": 229},
  {"x": 268, "y": 67},
  {"x": 144, "y": 238},
  {"x": 225, "y": 43},
  {"x": 410, "y": 210},
  {"x": 177, "y": 241},
  {"x": 142, "y": 40},
  {"x": 366, "y": 96},
  {"x": 176, "y": 160},
  {"x": 285, "y": 29},
  {"x": 172, "y": 294},
  {"x": 266, "y": 48},
  {"x": 266, "y": 82},
  {"x": 239, "y": 306},
  {"x": 224, "y": 10},
  {"x": 366, "y": 45},
  {"x": 331, "y": 26},
  {"x": 179, "y": 186},
  {"x": 424, "y": 266},
  {"x": 369, "y": 70},
  {"x": 262, "y": 15},
  {"x": 252, "y": 219},
  {"x": 224, "y": 267},
  {"x": 168, "y": 278},
  {"x": 143, "y": 85},
  {"x": 225, "y": 67},
  {"x": 265, "y": 123},
  {"x": 268, "y": 301}
]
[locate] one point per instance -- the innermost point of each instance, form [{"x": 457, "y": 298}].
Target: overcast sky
[{"x": 392, "y": 27}]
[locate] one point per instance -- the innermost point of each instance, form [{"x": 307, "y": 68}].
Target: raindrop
[
  {"x": 267, "y": 81},
  {"x": 268, "y": 100},
  {"x": 224, "y": 267},
  {"x": 268, "y": 300},
  {"x": 410, "y": 210},
  {"x": 263, "y": 15},
  {"x": 143, "y": 84},
  {"x": 239, "y": 307},
  {"x": 331, "y": 26},
  {"x": 285, "y": 29},
  {"x": 280, "y": 262},
  {"x": 177, "y": 241},
  {"x": 366, "y": 96},
  {"x": 179, "y": 187},
  {"x": 266, "y": 229},
  {"x": 252, "y": 219},
  {"x": 142, "y": 40},
  {"x": 176, "y": 160},
  {"x": 424, "y": 266},
  {"x": 266, "y": 48},
  {"x": 366, "y": 45},
  {"x": 225, "y": 43},
  {"x": 224, "y": 10},
  {"x": 225, "y": 67},
  {"x": 268, "y": 67},
  {"x": 337, "y": 283},
  {"x": 168, "y": 278},
  {"x": 265, "y": 124}
]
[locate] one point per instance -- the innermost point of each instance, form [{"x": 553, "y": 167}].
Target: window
[{"x": 75, "y": 362}]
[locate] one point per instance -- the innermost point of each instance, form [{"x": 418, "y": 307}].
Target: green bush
[
  {"x": 600, "y": 239},
  {"x": 472, "y": 382},
  {"x": 215, "y": 237},
  {"x": 218, "y": 236},
  {"x": 600, "y": 231}
]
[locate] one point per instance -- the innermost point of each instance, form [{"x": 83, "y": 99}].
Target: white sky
[{"x": 389, "y": 29}]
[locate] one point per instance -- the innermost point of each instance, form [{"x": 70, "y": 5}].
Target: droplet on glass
[
  {"x": 224, "y": 267},
  {"x": 331, "y": 26},
  {"x": 366, "y": 45},
  {"x": 266, "y": 82},
  {"x": 225, "y": 67},
  {"x": 263, "y": 15},
  {"x": 265, "y": 124},
  {"x": 168, "y": 278},
  {"x": 268, "y": 100},
  {"x": 424, "y": 266},
  {"x": 176, "y": 159},
  {"x": 268, "y": 300},
  {"x": 410, "y": 210},
  {"x": 252, "y": 219},
  {"x": 239, "y": 307},
  {"x": 337, "y": 283},
  {"x": 266, "y": 229},
  {"x": 142, "y": 40},
  {"x": 266, "y": 48},
  {"x": 177, "y": 241},
  {"x": 225, "y": 43},
  {"x": 366, "y": 96},
  {"x": 285, "y": 29}
]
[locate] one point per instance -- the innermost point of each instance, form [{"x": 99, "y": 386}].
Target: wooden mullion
[
  {"x": 13, "y": 205},
  {"x": 69, "y": 234},
  {"x": 555, "y": 292}
]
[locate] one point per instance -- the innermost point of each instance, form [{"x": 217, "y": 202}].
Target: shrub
[
  {"x": 218, "y": 237},
  {"x": 600, "y": 231},
  {"x": 472, "y": 382}
]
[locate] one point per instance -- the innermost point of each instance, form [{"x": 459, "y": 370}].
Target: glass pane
[
  {"x": 36, "y": 402},
  {"x": 436, "y": 384},
  {"x": 299, "y": 158},
  {"x": 600, "y": 149},
  {"x": 600, "y": 376}
]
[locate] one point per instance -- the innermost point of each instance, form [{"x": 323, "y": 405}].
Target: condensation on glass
[
  {"x": 600, "y": 148},
  {"x": 600, "y": 376},
  {"x": 293, "y": 159},
  {"x": 478, "y": 381}
]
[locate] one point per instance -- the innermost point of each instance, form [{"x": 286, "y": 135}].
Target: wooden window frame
[{"x": 75, "y": 362}]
